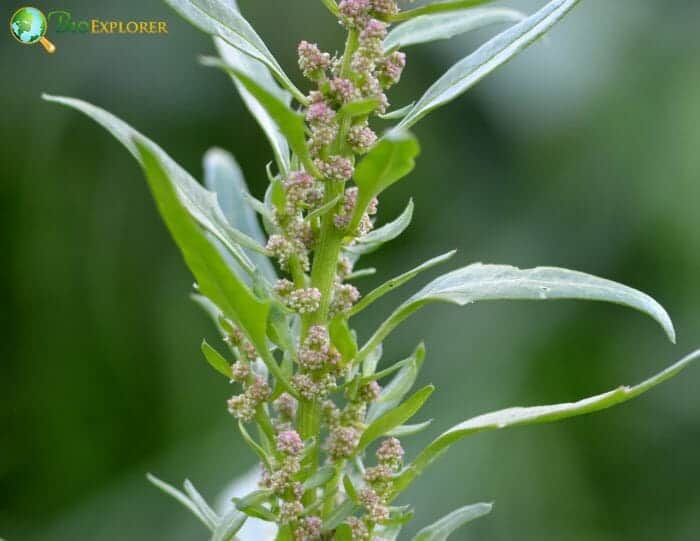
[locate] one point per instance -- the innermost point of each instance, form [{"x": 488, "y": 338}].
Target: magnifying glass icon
[{"x": 28, "y": 26}]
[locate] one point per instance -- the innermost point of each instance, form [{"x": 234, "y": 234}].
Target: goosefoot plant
[{"x": 323, "y": 420}]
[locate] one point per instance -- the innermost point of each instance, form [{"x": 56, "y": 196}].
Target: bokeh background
[{"x": 582, "y": 152}]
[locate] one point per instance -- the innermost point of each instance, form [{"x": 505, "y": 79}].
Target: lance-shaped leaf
[
  {"x": 258, "y": 72},
  {"x": 396, "y": 417},
  {"x": 533, "y": 415},
  {"x": 229, "y": 525},
  {"x": 388, "y": 162},
  {"x": 216, "y": 360},
  {"x": 409, "y": 430},
  {"x": 222, "y": 18},
  {"x": 215, "y": 280},
  {"x": 480, "y": 282},
  {"x": 392, "y": 395},
  {"x": 494, "y": 53},
  {"x": 223, "y": 176},
  {"x": 290, "y": 123},
  {"x": 441, "y": 6},
  {"x": 380, "y": 236},
  {"x": 447, "y": 525},
  {"x": 398, "y": 281},
  {"x": 199, "y": 202},
  {"x": 428, "y": 28},
  {"x": 184, "y": 500}
]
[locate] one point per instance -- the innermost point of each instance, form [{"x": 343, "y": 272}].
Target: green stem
[{"x": 310, "y": 427}]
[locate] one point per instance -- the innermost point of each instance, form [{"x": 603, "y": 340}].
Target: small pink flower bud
[
  {"x": 336, "y": 168},
  {"x": 320, "y": 111},
  {"x": 385, "y": 8},
  {"x": 361, "y": 138},
  {"x": 290, "y": 512},
  {"x": 242, "y": 407},
  {"x": 355, "y": 12},
  {"x": 370, "y": 500},
  {"x": 370, "y": 392},
  {"x": 286, "y": 405},
  {"x": 358, "y": 529},
  {"x": 342, "y": 442},
  {"x": 390, "y": 453},
  {"x": 344, "y": 90},
  {"x": 289, "y": 442},
  {"x": 312, "y": 61},
  {"x": 240, "y": 371}
]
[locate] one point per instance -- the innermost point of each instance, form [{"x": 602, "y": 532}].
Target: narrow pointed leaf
[
  {"x": 182, "y": 498},
  {"x": 213, "y": 276},
  {"x": 534, "y": 415},
  {"x": 216, "y": 360},
  {"x": 321, "y": 477},
  {"x": 397, "y": 114},
  {"x": 339, "y": 514},
  {"x": 223, "y": 176},
  {"x": 441, "y": 6},
  {"x": 409, "y": 430},
  {"x": 388, "y": 162},
  {"x": 395, "y": 417},
  {"x": 494, "y": 53},
  {"x": 229, "y": 525},
  {"x": 398, "y": 281},
  {"x": 199, "y": 202},
  {"x": 380, "y": 236},
  {"x": 447, "y": 525},
  {"x": 290, "y": 123},
  {"x": 201, "y": 503},
  {"x": 221, "y": 18},
  {"x": 439, "y": 26},
  {"x": 392, "y": 395},
  {"x": 259, "y": 73},
  {"x": 480, "y": 282}
]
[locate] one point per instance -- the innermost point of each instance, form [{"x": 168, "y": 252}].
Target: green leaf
[
  {"x": 427, "y": 28},
  {"x": 199, "y": 202},
  {"x": 259, "y": 73},
  {"x": 255, "y": 446},
  {"x": 437, "y": 7},
  {"x": 332, "y": 7},
  {"x": 229, "y": 525},
  {"x": 339, "y": 514},
  {"x": 388, "y": 232},
  {"x": 395, "y": 417},
  {"x": 535, "y": 415},
  {"x": 201, "y": 503},
  {"x": 222, "y": 18},
  {"x": 223, "y": 177},
  {"x": 388, "y": 162},
  {"x": 480, "y": 282},
  {"x": 342, "y": 338},
  {"x": 182, "y": 498},
  {"x": 290, "y": 123},
  {"x": 397, "y": 113},
  {"x": 319, "y": 478},
  {"x": 369, "y": 365},
  {"x": 214, "y": 278},
  {"x": 494, "y": 53},
  {"x": 447, "y": 525},
  {"x": 392, "y": 395},
  {"x": 216, "y": 360},
  {"x": 398, "y": 281},
  {"x": 409, "y": 430},
  {"x": 362, "y": 107}
]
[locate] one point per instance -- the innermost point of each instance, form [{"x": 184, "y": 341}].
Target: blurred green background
[{"x": 582, "y": 153}]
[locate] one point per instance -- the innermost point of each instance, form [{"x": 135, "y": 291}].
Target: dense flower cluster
[{"x": 314, "y": 195}]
